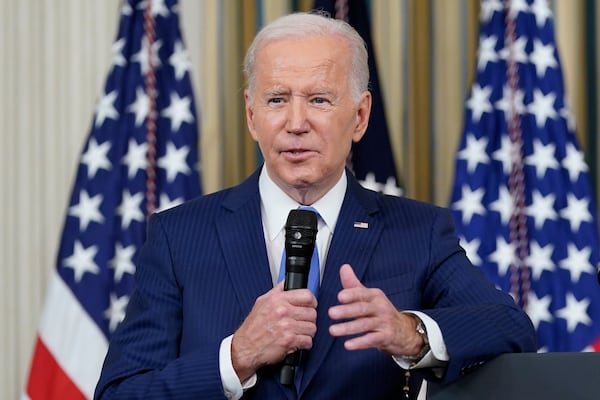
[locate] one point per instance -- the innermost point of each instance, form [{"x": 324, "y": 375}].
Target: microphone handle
[
  {"x": 293, "y": 280},
  {"x": 288, "y": 369}
]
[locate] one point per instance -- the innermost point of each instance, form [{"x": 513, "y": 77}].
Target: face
[{"x": 302, "y": 113}]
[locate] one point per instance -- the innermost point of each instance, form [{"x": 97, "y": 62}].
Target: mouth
[{"x": 297, "y": 154}]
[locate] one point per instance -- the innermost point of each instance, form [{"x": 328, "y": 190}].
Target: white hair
[{"x": 299, "y": 25}]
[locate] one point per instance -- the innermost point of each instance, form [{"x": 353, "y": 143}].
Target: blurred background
[{"x": 56, "y": 55}]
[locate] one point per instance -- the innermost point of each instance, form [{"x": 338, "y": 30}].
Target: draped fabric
[
  {"x": 522, "y": 199},
  {"x": 141, "y": 156}
]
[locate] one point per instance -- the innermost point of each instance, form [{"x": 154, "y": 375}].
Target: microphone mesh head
[
  {"x": 300, "y": 237},
  {"x": 304, "y": 219}
]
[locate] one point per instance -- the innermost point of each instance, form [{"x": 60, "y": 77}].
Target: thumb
[
  {"x": 348, "y": 277},
  {"x": 279, "y": 286}
]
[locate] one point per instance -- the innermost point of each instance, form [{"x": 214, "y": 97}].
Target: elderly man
[{"x": 209, "y": 317}]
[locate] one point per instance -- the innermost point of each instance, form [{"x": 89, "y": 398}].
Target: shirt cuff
[
  {"x": 232, "y": 387},
  {"x": 437, "y": 356}
]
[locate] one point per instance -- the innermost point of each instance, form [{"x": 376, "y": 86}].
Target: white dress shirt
[{"x": 275, "y": 207}]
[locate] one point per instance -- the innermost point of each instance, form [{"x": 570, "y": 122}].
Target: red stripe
[
  {"x": 596, "y": 345},
  {"x": 47, "y": 380}
]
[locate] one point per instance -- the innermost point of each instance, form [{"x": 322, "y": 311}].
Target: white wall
[{"x": 55, "y": 58}]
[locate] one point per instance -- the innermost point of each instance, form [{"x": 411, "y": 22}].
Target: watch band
[{"x": 422, "y": 331}]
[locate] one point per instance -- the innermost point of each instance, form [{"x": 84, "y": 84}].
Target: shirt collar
[{"x": 276, "y": 204}]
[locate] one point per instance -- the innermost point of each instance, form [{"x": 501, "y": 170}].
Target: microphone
[{"x": 300, "y": 236}]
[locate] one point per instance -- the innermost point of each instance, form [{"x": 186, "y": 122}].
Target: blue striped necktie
[{"x": 314, "y": 274}]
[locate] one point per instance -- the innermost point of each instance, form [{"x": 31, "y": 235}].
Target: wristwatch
[{"x": 423, "y": 333}]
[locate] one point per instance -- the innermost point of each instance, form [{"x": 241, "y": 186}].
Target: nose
[{"x": 297, "y": 118}]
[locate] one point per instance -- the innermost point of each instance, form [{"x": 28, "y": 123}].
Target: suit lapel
[
  {"x": 242, "y": 240},
  {"x": 353, "y": 244},
  {"x": 241, "y": 236}
]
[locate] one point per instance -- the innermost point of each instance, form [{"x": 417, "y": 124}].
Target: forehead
[{"x": 319, "y": 57}]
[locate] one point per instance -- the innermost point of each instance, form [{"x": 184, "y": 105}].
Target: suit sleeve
[
  {"x": 143, "y": 360},
  {"x": 477, "y": 320}
]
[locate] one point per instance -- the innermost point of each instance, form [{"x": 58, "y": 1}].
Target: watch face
[{"x": 422, "y": 331}]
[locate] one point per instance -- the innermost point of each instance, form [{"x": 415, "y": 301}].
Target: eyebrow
[
  {"x": 316, "y": 91},
  {"x": 276, "y": 88},
  {"x": 276, "y": 92}
]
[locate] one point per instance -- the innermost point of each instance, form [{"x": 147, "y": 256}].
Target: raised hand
[{"x": 368, "y": 312}]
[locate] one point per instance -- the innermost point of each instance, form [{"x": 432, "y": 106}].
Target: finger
[
  {"x": 367, "y": 341},
  {"x": 305, "y": 314},
  {"x": 301, "y": 342},
  {"x": 350, "y": 310},
  {"x": 354, "y": 327},
  {"x": 301, "y": 298},
  {"x": 294, "y": 335},
  {"x": 348, "y": 277},
  {"x": 279, "y": 286},
  {"x": 368, "y": 337}
]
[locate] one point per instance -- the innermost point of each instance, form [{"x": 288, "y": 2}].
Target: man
[{"x": 208, "y": 318}]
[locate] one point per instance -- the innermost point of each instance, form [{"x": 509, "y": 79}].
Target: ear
[
  {"x": 362, "y": 116},
  {"x": 249, "y": 115}
]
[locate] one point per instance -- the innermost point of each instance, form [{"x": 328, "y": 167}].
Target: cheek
[
  {"x": 265, "y": 131},
  {"x": 342, "y": 150},
  {"x": 269, "y": 122}
]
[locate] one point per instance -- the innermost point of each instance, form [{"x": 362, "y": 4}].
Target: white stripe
[{"x": 72, "y": 337}]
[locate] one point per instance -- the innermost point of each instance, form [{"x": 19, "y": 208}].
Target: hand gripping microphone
[{"x": 300, "y": 236}]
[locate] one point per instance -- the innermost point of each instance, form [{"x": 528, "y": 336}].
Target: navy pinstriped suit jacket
[{"x": 205, "y": 262}]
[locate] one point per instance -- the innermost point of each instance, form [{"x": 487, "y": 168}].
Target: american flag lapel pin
[{"x": 361, "y": 225}]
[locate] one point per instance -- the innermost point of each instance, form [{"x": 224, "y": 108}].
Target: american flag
[
  {"x": 372, "y": 159},
  {"x": 522, "y": 199},
  {"x": 141, "y": 155}
]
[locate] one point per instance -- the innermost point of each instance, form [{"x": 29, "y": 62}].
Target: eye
[
  {"x": 320, "y": 100},
  {"x": 275, "y": 100}
]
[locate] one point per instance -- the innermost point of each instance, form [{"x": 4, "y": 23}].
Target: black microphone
[{"x": 300, "y": 236}]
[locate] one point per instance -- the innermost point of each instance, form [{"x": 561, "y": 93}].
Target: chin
[
  {"x": 299, "y": 176},
  {"x": 299, "y": 181}
]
